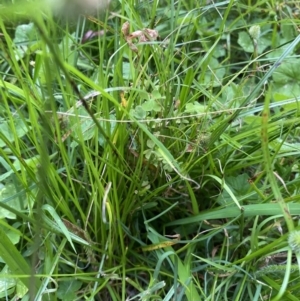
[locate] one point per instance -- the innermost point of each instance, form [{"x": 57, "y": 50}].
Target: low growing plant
[{"x": 150, "y": 153}]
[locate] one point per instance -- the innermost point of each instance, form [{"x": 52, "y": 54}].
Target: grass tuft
[{"x": 150, "y": 152}]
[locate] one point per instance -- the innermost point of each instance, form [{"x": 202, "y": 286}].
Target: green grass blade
[{"x": 247, "y": 211}]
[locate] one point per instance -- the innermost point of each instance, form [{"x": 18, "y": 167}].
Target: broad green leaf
[
  {"x": 20, "y": 129},
  {"x": 30, "y": 163},
  {"x": 6, "y": 283},
  {"x": 16, "y": 262},
  {"x": 151, "y": 105},
  {"x": 139, "y": 112},
  {"x": 246, "y": 42},
  {"x": 239, "y": 186},
  {"x": 21, "y": 289},
  {"x": 14, "y": 236},
  {"x": 286, "y": 78},
  {"x": 67, "y": 290},
  {"x": 25, "y": 33},
  {"x": 104, "y": 125},
  {"x": 214, "y": 74},
  {"x": 9, "y": 196},
  {"x": 195, "y": 107}
]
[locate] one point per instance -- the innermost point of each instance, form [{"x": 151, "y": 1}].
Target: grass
[{"x": 144, "y": 167}]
